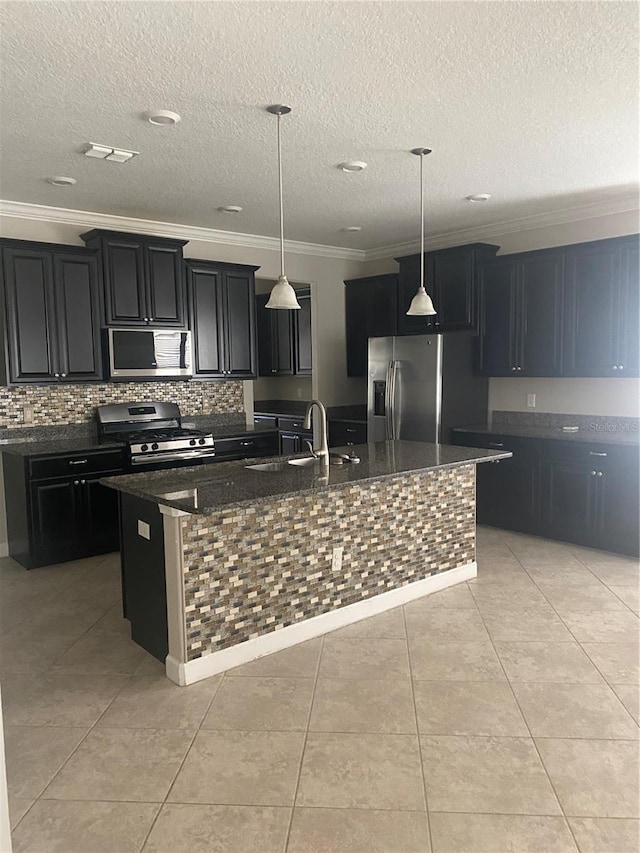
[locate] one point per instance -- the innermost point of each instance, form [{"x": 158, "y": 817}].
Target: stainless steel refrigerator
[{"x": 420, "y": 386}]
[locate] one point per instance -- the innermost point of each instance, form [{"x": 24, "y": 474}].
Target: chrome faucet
[{"x": 322, "y": 452}]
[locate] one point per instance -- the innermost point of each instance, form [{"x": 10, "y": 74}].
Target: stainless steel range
[{"x": 154, "y": 434}]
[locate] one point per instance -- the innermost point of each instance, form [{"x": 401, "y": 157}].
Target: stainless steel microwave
[{"x": 149, "y": 354}]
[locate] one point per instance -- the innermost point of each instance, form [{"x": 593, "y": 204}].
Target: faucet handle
[{"x": 311, "y": 450}]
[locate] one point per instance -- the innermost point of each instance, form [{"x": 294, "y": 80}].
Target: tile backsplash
[{"x": 73, "y": 404}]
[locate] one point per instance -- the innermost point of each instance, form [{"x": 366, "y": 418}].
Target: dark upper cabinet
[
  {"x": 143, "y": 279},
  {"x": 222, "y": 319},
  {"x": 51, "y": 304},
  {"x": 450, "y": 280},
  {"x": 520, "y": 309},
  {"x": 601, "y": 309},
  {"x": 371, "y": 308},
  {"x": 284, "y": 337}
]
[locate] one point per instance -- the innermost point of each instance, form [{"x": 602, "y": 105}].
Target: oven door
[
  {"x": 171, "y": 459},
  {"x": 149, "y": 353}
]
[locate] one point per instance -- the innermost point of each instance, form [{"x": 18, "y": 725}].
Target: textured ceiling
[{"x": 533, "y": 102}]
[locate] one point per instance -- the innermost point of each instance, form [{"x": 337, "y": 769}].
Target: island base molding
[{"x": 196, "y": 670}]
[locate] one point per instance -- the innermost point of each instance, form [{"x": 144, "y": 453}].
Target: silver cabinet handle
[
  {"x": 496, "y": 444},
  {"x": 593, "y": 473},
  {"x": 595, "y": 453},
  {"x": 599, "y": 474},
  {"x": 83, "y": 482},
  {"x": 350, "y": 429},
  {"x": 514, "y": 368},
  {"x": 621, "y": 367},
  {"x": 615, "y": 366},
  {"x": 63, "y": 375},
  {"x": 57, "y": 375},
  {"x": 247, "y": 443},
  {"x": 78, "y": 461},
  {"x": 151, "y": 319},
  {"x": 76, "y": 482}
]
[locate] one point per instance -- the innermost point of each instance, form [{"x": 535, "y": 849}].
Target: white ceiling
[{"x": 533, "y": 102}]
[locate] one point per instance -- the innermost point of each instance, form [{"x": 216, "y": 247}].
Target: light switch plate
[
  {"x": 143, "y": 529},
  {"x": 531, "y": 401}
]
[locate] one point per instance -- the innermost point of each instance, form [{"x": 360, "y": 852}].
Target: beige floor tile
[
  {"x": 29, "y": 653},
  {"x": 468, "y": 708},
  {"x": 113, "y": 622},
  {"x": 240, "y": 768},
  {"x": 261, "y": 704},
  {"x": 574, "y": 710},
  {"x": 569, "y": 573},
  {"x": 478, "y": 774},
  {"x": 152, "y": 702},
  {"x": 453, "y": 626},
  {"x": 64, "y": 617},
  {"x": 618, "y": 662},
  {"x": 364, "y": 659},
  {"x": 122, "y": 764},
  {"x": 454, "y": 598},
  {"x": 509, "y": 624},
  {"x": 495, "y": 833},
  {"x": 613, "y": 626},
  {"x": 573, "y": 598},
  {"x": 74, "y": 827},
  {"x": 18, "y": 807},
  {"x": 362, "y": 771},
  {"x": 100, "y": 654},
  {"x": 616, "y": 574},
  {"x": 388, "y": 625},
  {"x": 35, "y": 754},
  {"x": 58, "y": 700},
  {"x": 548, "y": 662},
  {"x": 437, "y": 661},
  {"x": 341, "y": 705},
  {"x": 358, "y": 831},
  {"x": 219, "y": 829},
  {"x": 629, "y": 695},
  {"x": 92, "y": 591},
  {"x": 606, "y": 835},
  {"x": 299, "y": 661},
  {"x": 594, "y": 778},
  {"x": 494, "y": 596},
  {"x": 151, "y": 666},
  {"x": 630, "y": 595}
]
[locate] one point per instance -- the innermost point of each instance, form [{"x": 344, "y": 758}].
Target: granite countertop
[
  {"x": 597, "y": 435},
  {"x": 209, "y": 489}
]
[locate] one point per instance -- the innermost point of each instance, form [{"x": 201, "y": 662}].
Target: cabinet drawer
[
  {"x": 292, "y": 425},
  {"x": 271, "y": 420},
  {"x": 76, "y": 463},
  {"x": 246, "y": 445},
  {"x": 343, "y": 433}
]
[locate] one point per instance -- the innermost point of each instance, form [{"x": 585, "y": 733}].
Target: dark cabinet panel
[
  {"x": 342, "y": 433},
  {"x": 165, "y": 290},
  {"x": 284, "y": 338},
  {"x": 100, "y": 516},
  {"x": 291, "y": 443},
  {"x": 620, "y": 499},
  {"x": 125, "y": 290},
  {"x": 408, "y": 283},
  {"x": 371, "y": 307},
  {"x": 570, "y": 504},
  {"x": 302, "y": 322},
  {"x": 222, "y": 318},
  {"x": 78, "y": 316},
  {"x": 539, "y": 335},
  {"x": 498, "y": 296},
  {"x": 56, "y": 508},
  {"x": 629, "y": 335}
]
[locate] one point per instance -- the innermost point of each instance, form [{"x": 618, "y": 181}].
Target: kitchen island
[{"x": 241, "y": 561}]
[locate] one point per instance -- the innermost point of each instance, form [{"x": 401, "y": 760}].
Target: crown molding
[
  {"x": 494, "y": 230},
  {"x": 89, "y": 219}
]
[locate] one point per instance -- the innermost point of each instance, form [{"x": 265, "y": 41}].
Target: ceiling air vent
[{"x": 106, "y": 152}]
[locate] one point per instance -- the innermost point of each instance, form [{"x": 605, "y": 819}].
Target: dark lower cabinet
[
  {"x": 344, "y": 433},
  {"x": 290, "y": 443},
  {"x": 573, "y": 491},
  {"x": 56, "y": 508}
]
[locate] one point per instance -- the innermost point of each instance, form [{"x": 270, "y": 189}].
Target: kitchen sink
[
  {"x": 306, "y": 460},
  {"x": 267, "y": 466}
]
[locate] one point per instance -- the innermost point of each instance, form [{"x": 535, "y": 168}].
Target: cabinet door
[
  {"x": 289, "y": 444},
  {"x": 124, "y": 282},
  {"x": 570, "y": 507},
  {"x": 164, "y": 285},
  {"x": 408, "y": 284},
  {"x": 239, "y": 323},
  {"x": 55, "y": 509},
  {"x": 282, "y": 336},
  {"x": 100, "y": 516},
  {"x": 620, "y": 500},
  {"x": 302, "y": 361},
  {"x": 498, "y": 296},
  {"x": 266, "y": 365},
  {"x": 357, "y": 327},
  {"x": 30, "y": 315},
  {"x": 514, "y": 492},
  {"x": 540, "y": 313},
  {"x": 591, "y": 305},
  {"x": 78, "y": 316},
  {"x": 629, "y": 311},
  {"x": 453, "y": 290},
  {"x": 205, "y": 308}
]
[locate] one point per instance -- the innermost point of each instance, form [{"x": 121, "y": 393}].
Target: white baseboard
[{"x": 196, "y": 670}]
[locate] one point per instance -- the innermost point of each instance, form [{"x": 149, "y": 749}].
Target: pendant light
[
  {"x": 421, "y": 304},
  {"x": 283, "y": 296}
]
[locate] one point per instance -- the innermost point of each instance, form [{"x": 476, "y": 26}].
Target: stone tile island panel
[
  {"x": 75, "y": 403},
  {"x": 252, "y": 570}
]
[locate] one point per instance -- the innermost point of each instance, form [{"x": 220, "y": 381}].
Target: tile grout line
[
  {"x": 415, "y": 715},
  {"x": 304, "y": 744}
]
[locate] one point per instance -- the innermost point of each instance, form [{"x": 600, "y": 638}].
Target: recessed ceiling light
[
  {"x": 352, "y": 166},
  {"x": 353, "y": 228},
  {"x": 230, "y": 208},
  {"x": 162, "y": 117},
  {"x": 478, "y": 197},
  {"x": 106, "y": 152},
  {"x": 61, "y": 181}
]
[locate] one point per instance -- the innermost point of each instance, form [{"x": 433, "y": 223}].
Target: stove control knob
[
  {"x": 201, "y": 441},
  {"x": 192, "y": 442},
  {"x": 144, "y": 447},
  {"x": 154, "y": 446}
]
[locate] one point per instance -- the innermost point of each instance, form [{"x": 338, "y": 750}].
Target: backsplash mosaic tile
[
  {"x": 253, "y": 571},
  {"x": 73, "y": 404}
]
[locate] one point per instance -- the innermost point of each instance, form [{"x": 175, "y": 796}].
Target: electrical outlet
[
  {"x": 27, "y": 415},
  {"x": 299, "y": 392},
  {"x": 143, "y": 529},
  {"x": 336, "y": 559},
  {"x": 531, "y": 401}
]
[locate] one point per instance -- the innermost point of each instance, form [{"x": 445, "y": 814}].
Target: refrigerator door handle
[
  {"x": 388, "y": 404},
  {"x": 393, "y": 366}
]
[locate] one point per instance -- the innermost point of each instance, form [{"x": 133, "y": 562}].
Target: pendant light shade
[
  {"x": 283, "y": 296},
  {"x": 421, "y": 304}
]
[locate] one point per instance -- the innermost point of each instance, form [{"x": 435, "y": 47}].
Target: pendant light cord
[
  {"x": 421, "y": 220},
  {"x": 281, "y": 201}
]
